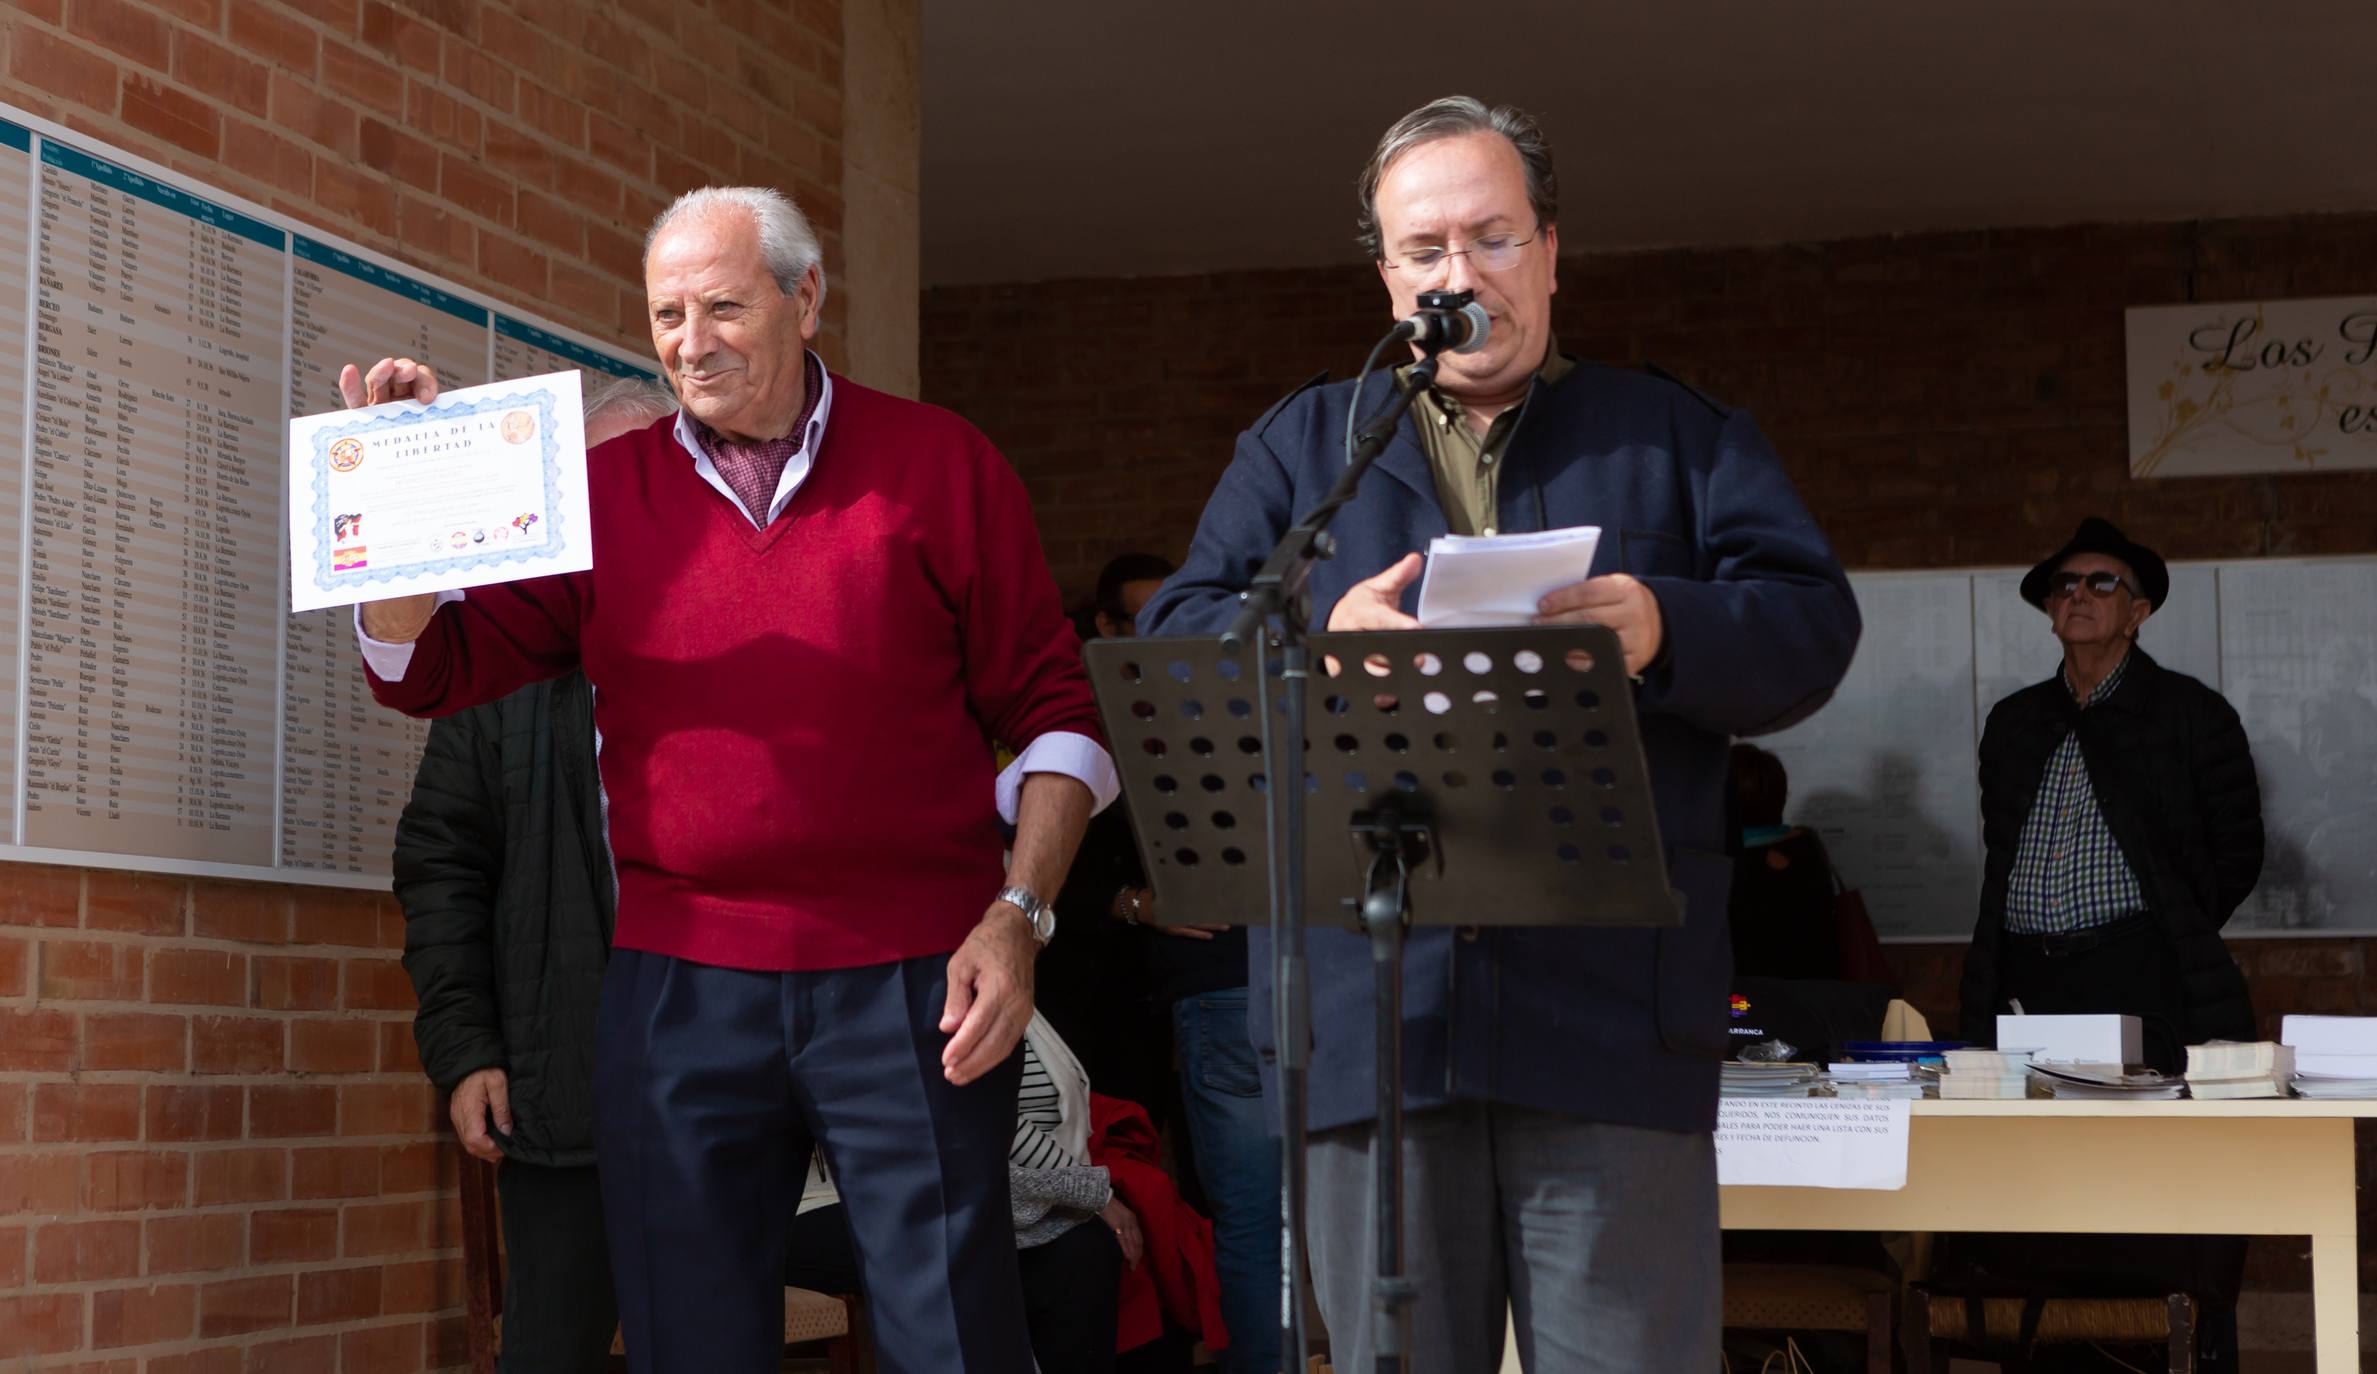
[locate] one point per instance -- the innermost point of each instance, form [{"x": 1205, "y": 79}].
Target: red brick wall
[
  {"x": 1941, "y": 400},
  {"x": 519, "y": 148},
  {"x": 217, "y": 1153}
]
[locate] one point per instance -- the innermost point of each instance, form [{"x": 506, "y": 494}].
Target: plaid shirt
[
  {"x": 755, "y": 470},
  {"x": 2068, "y": 872}
]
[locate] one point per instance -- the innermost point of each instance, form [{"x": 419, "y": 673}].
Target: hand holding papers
[
  {"x": 482, "y": 485},
  {"x": 1498, "y": 579}
]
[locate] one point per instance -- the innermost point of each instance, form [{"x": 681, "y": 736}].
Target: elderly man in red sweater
[{"x": 811, "y": 608}]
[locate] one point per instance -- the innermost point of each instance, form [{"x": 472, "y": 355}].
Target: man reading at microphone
[{"x": 1562, "y": 1081}]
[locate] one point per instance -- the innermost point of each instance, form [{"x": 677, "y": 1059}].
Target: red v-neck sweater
[{"x": 796, "y": 721}]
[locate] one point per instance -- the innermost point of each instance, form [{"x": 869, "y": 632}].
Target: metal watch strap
[{"x": 1035, "y": 911}]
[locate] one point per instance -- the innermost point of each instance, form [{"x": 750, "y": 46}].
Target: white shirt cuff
[
  {"x": 1059, "y": 751},
  {"x": 389, "y": 661}
]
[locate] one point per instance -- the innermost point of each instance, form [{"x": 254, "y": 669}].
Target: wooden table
[{"x": 2261, "y": 1167}]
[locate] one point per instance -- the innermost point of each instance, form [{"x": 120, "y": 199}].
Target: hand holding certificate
[{"x": 436, "y": 492}]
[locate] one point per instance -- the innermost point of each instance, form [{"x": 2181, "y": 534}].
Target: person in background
[
  {"x": 1780, "y": 909},
  {"x": 2121, "y": 818},
  {"x": 1093, "y": 985},
  {"x": 1559, "y": 1163},
  {"x": 505, "y": 884},
  {"x": 1074, "y": 1234},
  {"x": 1196, "y": 975}
]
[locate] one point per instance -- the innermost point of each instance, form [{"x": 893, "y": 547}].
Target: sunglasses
[{"x": 2100, "y": 584}]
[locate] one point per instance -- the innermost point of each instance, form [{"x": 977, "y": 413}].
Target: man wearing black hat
[{"x": 2122, "y": 822}]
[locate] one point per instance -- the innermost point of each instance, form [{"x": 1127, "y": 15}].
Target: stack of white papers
[
  {"x": 2106, "y": 1081},
  {"x": 2329, "y": 1034},
  {"x": 2334, "y": 1056},
  {"x": 2305, "y": 1085},
  {"x": 1497, "y": 579},
  {"x": 1739, "y": 1079},
  {"x": 1877, "y": 1088},
  {"x": 1995, "y": 1075},
  {"x": 1865, "y": 1070},
  {"x": 1883, "y": 1078}
]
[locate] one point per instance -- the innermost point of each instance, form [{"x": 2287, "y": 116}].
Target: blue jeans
[{"x": 1238, "y": 1165}]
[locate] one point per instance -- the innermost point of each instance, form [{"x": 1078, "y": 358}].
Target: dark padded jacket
[
  {"x": 508, "y": 907},
  {"x": 2170, "y": 766}
]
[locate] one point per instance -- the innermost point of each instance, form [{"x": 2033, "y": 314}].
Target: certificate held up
[{"x": 479, "y": 486}]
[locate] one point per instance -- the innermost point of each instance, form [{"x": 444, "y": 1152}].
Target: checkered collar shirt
[
  {"x": 761, "y": 477},
  {"x": 2068, "y": 871}
]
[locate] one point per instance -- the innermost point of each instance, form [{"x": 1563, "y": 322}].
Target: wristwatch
[{"x": 1037, "y": 913}]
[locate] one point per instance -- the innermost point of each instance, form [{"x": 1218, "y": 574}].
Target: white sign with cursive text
[{"x": 2253, "y": 386}]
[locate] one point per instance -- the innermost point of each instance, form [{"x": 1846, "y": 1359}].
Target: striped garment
[
  {"x": 1037, "y": 1120},
  {"x": 2068, "y": 871}
]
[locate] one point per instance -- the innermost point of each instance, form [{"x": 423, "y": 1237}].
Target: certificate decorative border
[{"x": 556, "y": 536}]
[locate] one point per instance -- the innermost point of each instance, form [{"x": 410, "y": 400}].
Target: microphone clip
[{"x": 1445, "y": 321}]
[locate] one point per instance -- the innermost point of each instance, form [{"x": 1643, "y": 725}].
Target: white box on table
[{"x": 2086, "y": 1039}]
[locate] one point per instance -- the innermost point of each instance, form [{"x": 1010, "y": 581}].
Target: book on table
[
  {"x": 1985, "y": 1087},
  {"x": 2226, "y": 1089},
  {"x": 2227, "y": 1069},
  {"x": 2239, "y": 1059}
]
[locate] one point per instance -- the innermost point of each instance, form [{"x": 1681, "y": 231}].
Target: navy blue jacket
[{"x": 1623, "y": 1026}]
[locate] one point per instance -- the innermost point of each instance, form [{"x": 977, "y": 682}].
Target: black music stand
[{"x": 1453, "y": 777}]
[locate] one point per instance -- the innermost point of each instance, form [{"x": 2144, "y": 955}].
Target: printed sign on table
[{"x": 1812, "y": 1142}]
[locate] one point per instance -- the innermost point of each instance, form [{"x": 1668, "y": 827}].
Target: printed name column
[
  {"x": 524, "y": 350},
  {"x": 149, "y": 701},
  {"x": 349, "y": 761},
  {"x": 16, "y": 189}
]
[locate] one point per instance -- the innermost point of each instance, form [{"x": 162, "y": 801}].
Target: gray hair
[
  {"x": 636, "y": 397},
  {"x": 787, "y": 243},
  {"x": 1452, "y": 117}
]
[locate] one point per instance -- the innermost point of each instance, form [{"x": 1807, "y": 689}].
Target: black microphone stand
[{"x": 1276, "y": 611}]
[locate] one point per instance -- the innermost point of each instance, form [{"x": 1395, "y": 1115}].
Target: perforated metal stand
[
  {"x": 1452, "y": 777},
  {"x": 1522, "y": 741}
]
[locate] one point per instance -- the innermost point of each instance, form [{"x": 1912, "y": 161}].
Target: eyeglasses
[
  {"x": 2099, "y": 584},
  {"x": 1493, "y": 253}
]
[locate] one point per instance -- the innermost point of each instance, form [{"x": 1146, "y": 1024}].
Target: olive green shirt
[{"x": 1467, "y": 465}]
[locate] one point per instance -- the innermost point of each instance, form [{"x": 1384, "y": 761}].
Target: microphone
[{"x": 1447, "y": 321}]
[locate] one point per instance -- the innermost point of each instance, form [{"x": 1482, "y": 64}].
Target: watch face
[{"x": 1044, "y": 923}]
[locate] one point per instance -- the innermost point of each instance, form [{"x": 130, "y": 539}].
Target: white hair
[
  {"x": 787, "y": 243},
  {"x": 636, "y": 397}
]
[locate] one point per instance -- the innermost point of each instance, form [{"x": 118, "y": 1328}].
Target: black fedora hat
[{"x": 2097, "y": 535}]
